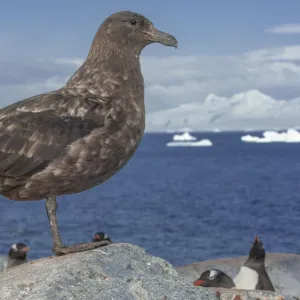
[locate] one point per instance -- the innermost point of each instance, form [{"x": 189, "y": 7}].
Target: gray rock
[
  {"x": 115, "y": 272},
  {"x": 283, "y": 269}
]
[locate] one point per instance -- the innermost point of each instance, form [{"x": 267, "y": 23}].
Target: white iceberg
[
  {"x": 184, "y": 137},
  {"x": 290, "y": 136},
  {"x": 201, "y": 143}
]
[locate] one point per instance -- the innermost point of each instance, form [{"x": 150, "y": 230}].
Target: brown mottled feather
[
  {"x": 71, "y": 139},
  {"x": 33, "y": 135}
]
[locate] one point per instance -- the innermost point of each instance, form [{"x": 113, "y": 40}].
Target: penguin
[
  {"x": 17, "y": 255},
  {"x": 253, "y": 274},
  {"x": 214, "y": 278},
  {"x": 101, "y": 236}
]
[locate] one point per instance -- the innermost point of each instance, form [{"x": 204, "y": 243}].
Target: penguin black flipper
[{"x": 264, "y": 282}]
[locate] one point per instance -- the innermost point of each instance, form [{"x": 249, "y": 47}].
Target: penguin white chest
[{"x": 246, "y": 279}]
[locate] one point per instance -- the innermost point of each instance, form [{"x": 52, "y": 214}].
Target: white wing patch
[
  {"x": 246, "y": 279},
  {"x": 14, "y": 247}
]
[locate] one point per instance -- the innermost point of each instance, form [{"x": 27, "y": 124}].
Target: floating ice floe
[
  {"x": 201, "y": 143},
  {"x": 184, "y": 137},
  {"x": 290, "y": 136}
]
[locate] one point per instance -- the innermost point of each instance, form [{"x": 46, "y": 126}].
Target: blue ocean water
[{"x": 182, "y": 204}]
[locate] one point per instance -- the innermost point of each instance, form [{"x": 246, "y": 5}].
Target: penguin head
[
  {"x": 214, "y": 278},
  {"x": 18, "y": 251},
  {"x": 257, "y": 250},
  {"x": 101, "y": 236}
]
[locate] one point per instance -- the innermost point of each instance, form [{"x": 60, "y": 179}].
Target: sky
[{"x": 225, "y": 48}]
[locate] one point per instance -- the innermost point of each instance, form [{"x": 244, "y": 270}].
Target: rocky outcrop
[
  {"x": 283, "y": 269},
  {"x": 114, "y": 272}
]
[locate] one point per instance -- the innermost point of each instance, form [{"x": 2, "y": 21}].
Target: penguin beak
[
  {"x": 199, "y": 282},
  {"x": 25, "y": 249}
]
